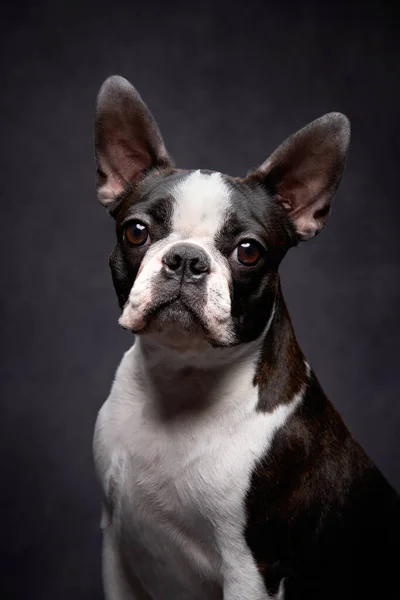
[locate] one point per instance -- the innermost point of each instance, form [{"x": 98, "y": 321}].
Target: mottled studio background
[{"x": 227, "y": 82}]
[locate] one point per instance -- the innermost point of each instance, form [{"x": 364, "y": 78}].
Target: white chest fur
[{"x": 179, "y": 479}]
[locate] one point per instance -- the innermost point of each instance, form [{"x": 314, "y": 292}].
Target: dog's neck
[
  {"x": 198, "y": 380},
  {"x": 283, "y": 370},
  {"x": 183, "y": 373}
]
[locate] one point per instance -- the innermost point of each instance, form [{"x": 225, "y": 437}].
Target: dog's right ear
[{"x": 127, "y": 140}]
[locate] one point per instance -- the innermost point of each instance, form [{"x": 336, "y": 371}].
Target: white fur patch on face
[
  {"x": 218, "y": 306},
  {"x": 202, "y": 202},
  {"x": 141, "y": 296}
]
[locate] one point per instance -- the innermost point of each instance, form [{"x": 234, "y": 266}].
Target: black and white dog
[{"x": 227, "y": 473}]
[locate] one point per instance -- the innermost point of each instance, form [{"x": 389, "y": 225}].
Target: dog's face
[{"x": 198, "y": 252}]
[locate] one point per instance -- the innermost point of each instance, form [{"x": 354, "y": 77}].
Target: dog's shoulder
[{"x": 317, "y": 503}]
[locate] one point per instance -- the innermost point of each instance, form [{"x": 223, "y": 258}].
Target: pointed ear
[
  {"x": 303, "y": 174},
  {"x": 127, "y": 140}
]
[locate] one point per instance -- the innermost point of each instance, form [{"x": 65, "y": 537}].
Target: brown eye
[
  {"x": 136, "y": 234},
  {"x": 248, "y": 253}
]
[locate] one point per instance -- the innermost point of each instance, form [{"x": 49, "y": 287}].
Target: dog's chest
[
  {"x": 179, "y": 493},
  {"x": 178, "y": 489}
]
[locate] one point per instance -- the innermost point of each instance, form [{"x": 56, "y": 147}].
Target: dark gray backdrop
[{"x": 227, "y": 83}]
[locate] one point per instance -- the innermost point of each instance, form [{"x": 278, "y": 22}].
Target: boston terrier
[{"x": 227, "y": 473}]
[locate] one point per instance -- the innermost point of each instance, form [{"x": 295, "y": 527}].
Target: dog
[{"x": 227, "y": 473}]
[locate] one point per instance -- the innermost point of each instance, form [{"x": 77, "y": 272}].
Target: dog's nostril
[
  {"x": 198, "y": 266},
  {"x": 173, "y": 261}
]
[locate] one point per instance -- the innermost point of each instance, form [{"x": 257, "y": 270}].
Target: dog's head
[{"x": 198, "y": 252}]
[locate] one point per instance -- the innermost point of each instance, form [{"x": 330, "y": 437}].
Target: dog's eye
[
  {"x": 248, "y": 253},
  {"x": 136, "y": 234}
]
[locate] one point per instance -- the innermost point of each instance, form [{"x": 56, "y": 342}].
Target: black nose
[{"x": 187, "y": 262}]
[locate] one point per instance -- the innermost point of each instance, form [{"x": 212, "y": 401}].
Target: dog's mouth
[{"x": 177, "y": 311}]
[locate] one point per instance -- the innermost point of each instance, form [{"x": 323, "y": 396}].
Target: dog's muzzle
[{"x": 181, "y": 286}]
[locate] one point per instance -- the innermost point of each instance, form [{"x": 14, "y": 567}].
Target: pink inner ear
[
  {"x": 121, "y": 166},
  {"x": 127, "y": 161},
  {"x": 296, "y": 196}
]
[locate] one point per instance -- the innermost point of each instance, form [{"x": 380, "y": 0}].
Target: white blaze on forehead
[{"x": 202, "y": 202}]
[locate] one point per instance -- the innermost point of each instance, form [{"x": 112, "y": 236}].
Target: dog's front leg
[
  {"x": 116, "y": 584},
  {"x": 237, "y": 590},
  {"x": 240, "y": 574}
]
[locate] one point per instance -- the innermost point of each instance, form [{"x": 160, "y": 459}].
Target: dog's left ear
[
  {"x": 304, "y": 172},
  {"x": 127, "y": 140}
]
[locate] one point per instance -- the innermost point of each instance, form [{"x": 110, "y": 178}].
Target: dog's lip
[{"x": 179, "y": 297}]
